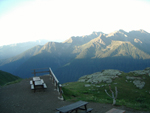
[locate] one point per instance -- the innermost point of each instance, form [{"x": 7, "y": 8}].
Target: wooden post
[
  {"x": 34, "y": 73},
  {"x": 60, "y": 90}
]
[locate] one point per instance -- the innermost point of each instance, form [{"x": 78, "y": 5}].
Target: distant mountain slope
[
  {"x": 52, "y": 55},
  {"x": 8, "y": 51},
  {"x": 77, "y": 56},
  {"x": 140, "y": 38},
  {"x": 102, "y": 47},
  {"x": 6, "y": 77},
  {"x": 11, "y": 64}
]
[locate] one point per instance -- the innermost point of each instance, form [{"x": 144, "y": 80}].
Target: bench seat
[
  {"x": 88, "y": 110},
  {"x": 32, "y": 87},
  {"x": 31, "y": 82}
]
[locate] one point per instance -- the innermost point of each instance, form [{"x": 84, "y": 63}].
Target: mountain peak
[
  {"x": 122, "y": 32},
  {"x": 139, "y": 31},
  {"x": 80, "y": 40},
  {"x": 142, "y": 31}
]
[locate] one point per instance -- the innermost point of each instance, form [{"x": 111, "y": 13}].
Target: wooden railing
[
  {"x": 35, "y": 72},
  {"x": 54, "y": 79},
  {"x": 56, "y": 83}
]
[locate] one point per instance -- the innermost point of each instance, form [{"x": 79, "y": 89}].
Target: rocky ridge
[{"x": 107, "y": 76}]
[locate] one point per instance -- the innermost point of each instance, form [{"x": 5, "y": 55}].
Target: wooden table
[
  {"x": 36, "y": 78},
  {"x": 38, "y": 83},
  {"x": 73, "y": 107}
]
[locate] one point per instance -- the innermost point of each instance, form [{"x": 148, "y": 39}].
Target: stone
[
  {"x": 132, "y": 78},
  {"x": 142, "y": 72},
  {"x": 111, "y": 72},
  {"x": 98, "y": 86},
  {"x": 82, "y": 80},
  {"x": 105, "y": 76},
  {"x": 109, "y": 81},
  {"x": 87, "y": 85},
  {"x": 139, "y": 84}
]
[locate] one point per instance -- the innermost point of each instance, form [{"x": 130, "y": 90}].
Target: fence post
[
  {"x": 34, "y": 73},
  {"x": 60, "y": 91}
]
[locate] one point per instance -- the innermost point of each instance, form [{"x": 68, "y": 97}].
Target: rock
[
  {"x": 139, "y": 84},
  {"x": 132, "y": 78},
  {"x": 142, "y": 72},
  {"x": 87, "y": 85},
  {"x": 108, "y": 81},
  {"x": 111, "y": 72},
  {"x": 148, "y": 68},
  {"x": 82, "y": 80},
  {"x": 98, "y": 86},
  {"x": 104, "y": 76}
]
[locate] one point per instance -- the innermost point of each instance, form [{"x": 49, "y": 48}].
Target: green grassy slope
[
  {"x": 128, "y": 94},
  {"x": 7, "y": 77}
]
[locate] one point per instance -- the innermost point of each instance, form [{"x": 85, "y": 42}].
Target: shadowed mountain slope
[
  {"x": 8, "y": 51},
  {"x": 77, "y": 56},
  {"x": 7, "y": 77}
]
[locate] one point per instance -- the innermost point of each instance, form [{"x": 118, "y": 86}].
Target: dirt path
[{"x": 19, "y": 98}]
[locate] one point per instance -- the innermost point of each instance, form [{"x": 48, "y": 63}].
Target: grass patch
[
  {"x": 13, "y": 82},
  {"x": 128, "y": 94},
  {"x": 6, "y": 78}
]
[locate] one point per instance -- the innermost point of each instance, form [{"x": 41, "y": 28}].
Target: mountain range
[{"x": 84, "y": 55}]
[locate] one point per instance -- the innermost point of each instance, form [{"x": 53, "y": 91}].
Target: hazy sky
[{"x": 58, "y": 20}]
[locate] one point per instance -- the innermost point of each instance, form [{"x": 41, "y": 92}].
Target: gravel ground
[{"x": 19, "y": 98}]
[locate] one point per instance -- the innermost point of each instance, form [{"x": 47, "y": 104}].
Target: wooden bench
[
  {"x": 88, "y": 110},
  {"x": 80, "y": 105},
  {"x": 31, "y": 82},
  {"x": 42, "y": 80},
  {"x": 114, "y": 110}
]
